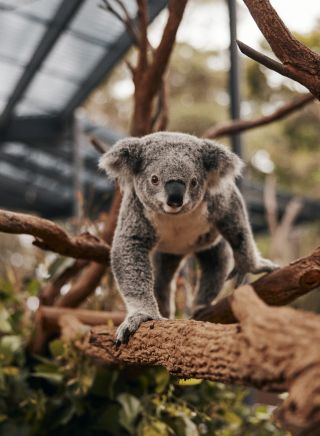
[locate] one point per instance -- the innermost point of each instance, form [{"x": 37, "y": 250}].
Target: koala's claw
[{"x": 130, "y": 325}]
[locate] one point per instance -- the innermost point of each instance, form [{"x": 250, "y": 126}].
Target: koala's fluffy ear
[
  {"x": 221, "y": 161},
  {"x": 123, "y": 159}
]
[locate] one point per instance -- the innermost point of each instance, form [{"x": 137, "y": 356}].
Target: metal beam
[
  {"x": 112, "y": 56},
  {"x": 234, "y": 75},
  {"x": 63, "y": 16},
  {"x": 33, "y": 128}
]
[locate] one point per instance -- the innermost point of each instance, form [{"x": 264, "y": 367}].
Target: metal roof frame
[{"x": 63, "y": 16}]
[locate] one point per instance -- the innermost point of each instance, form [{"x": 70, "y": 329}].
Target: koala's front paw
[
  {"x": 264, "y": 265},
  {"x": 130, "y": 325},
  {"x": 239, "y": 272}
]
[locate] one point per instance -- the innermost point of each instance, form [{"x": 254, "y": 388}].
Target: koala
[{"x": 179, "y": 198}]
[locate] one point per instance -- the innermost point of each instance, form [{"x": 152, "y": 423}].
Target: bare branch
[
  {"x": 98, "y": 145},
  {"x": 52, "y": 290},
  {"x": 262, "y": 59},
  {"x": 50, "y": 236},
  {"x": 277, "y": 288},
  {"x": 91, "y": 276},
  {"x": 85, "y": 316},
  {"x": 271, "y": 348},
  {"x": 299, "y": 62},
  {"x": 238, "y": 126},
  {"x": 125, "y": 20}
]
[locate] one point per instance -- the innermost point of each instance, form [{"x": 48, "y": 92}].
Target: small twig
[
  {"x": 98, "y": 145},
  {"x": 125, "y": 20},
  {"x": 238, "y": 126},
  {"x": 262, "y": 59}
]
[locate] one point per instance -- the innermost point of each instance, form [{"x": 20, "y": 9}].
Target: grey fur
[{"x": 152, "y": 237}]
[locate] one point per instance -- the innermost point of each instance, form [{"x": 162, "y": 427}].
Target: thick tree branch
[
  {"x": 92, "y": 275},
  {"x": 163, "y": 51},
  {"x": 298, "y": 61},
  {"x": 50, "y": 236},
  {"x": 239, "y": 126},
  {"x": 277, "y": 288},
  {"x": 148, "y": 81},
  {"x": 271, "y": 348}
]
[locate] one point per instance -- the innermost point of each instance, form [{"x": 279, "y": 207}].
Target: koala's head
[{"x": 170, "y": 172}]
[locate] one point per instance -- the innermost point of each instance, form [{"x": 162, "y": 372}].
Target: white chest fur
[{"x": 181, "y": 234}]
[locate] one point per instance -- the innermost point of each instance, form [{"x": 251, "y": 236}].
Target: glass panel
[
  {"x": 73, "y": 58},
  {"x": 9, "y": 74},
  {"x": 48, "y": 93},
  {"x": 19, "y": 37},
  {"x": 98, "y": 24}
]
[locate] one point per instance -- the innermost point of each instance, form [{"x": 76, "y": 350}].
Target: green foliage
[{"x": 65, "y": 393}]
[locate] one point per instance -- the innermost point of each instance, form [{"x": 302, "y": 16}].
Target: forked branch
[{"x": 298, "y": 62}]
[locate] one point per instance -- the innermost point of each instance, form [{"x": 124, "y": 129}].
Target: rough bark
[
  {"x": 238, "y": 126},
  {"x": 270, "y": 348},
  {"x": 298, "y": 61},
  {"x": 277, "y": 288},
  {"x": 50, "y": 236}
]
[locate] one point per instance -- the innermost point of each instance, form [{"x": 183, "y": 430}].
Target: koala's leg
[
  {"x": 131, "y": 250},
  {"x": 214, "y": 266},
  {"x": 235, "y": 228},
  {"x": 165, "y": 265}
]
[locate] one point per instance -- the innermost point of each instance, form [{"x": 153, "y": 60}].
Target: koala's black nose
[{"x": 175, "y": 190}]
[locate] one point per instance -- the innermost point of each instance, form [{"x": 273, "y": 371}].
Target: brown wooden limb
[
  {"x": 91, "y": 276},
  {"x": 300, "y": 63},
  {"x": 239, "y": 126},
  {"x": 50, "y": 236},
  {"x": 98, "y": 145},
  {"x": 85, "y": 316},
  {"x": 52, "y": 290},
  {"x": 277, "y": 288},
  {"x": 262, "y": 59},
  {"x": 271, "y": 348},
  {"x": 143, "y": 36},
  {"x": 163, "y": 51},
  {"x": 148, "y": 82}
]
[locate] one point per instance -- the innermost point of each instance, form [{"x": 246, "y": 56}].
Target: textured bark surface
[
  {"x": 278, "y": 288},
  {"x": 271, "y": 348},
  {"x": 50, "y": 236},
  {"x": 298, "y": 61}
]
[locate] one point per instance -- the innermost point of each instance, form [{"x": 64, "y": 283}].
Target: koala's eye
[
  {"x": 154, "y": 179},
  {"x": 193, "y": 182}
]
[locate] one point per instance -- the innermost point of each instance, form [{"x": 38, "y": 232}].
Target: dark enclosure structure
[{"x": 53, "y": 53}]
